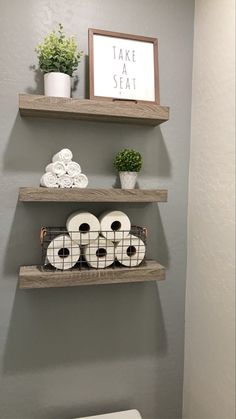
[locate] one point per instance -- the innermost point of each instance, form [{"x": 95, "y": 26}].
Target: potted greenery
[
  {"x": 58, "y": 58},
  {"x": 128, "y": 162}
]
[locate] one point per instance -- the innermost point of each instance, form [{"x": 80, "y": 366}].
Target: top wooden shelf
[{"x": 92, "y": 110}]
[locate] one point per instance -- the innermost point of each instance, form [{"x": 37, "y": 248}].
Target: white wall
[{"x": 209, "y": 385}]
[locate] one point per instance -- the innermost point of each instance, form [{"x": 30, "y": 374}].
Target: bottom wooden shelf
[{"x": 35, "y": 277}]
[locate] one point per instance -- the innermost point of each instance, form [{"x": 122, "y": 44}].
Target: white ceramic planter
[
  {"x": 57, "y": 84},
  {"x": 128, "y": 179}
]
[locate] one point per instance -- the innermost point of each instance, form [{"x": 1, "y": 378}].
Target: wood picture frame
[{"x": 109, "y": 77}]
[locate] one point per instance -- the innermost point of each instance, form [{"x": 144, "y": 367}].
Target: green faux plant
[
  {"x": 58, "y": 54},
  {"x": 128, "y": 160}
]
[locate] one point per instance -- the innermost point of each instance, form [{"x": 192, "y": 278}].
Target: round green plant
[
  {"x": 58, "y": 54},
  {"x": 128, "y": 160}
]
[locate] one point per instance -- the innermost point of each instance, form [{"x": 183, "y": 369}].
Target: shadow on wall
[
  {"x": 83, "y": 325},
  {"x": 157, "y": 247},
  {"x": 33, "y": 141},
  {"x": 38, "y": 79}
]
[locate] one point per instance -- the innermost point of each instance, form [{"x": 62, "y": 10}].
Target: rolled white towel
[
  {"x": 64, "y": 155},
  {"x": 58, "y": 167},
  {"x": 73, "y": 169},
  {"x": 65, "y": 181},
  {"x": 49, "y": 180},
  {"x": 80, "y": 181}
]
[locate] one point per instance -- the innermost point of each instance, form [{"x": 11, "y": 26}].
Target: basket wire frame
[{"x": 105, "y": 255}]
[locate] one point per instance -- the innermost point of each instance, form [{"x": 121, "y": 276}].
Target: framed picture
[{"x": 123, "y": 67}]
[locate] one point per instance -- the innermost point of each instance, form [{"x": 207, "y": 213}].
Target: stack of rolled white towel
[
  {"x": 100, "y": 242},
  {"x": 62, "y": 172}
]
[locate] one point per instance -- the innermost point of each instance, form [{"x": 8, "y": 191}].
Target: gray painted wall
[{"x": 75, "y": 352}]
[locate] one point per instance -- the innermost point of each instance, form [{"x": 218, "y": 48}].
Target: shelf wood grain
[
  {"x": 35, "y": 277},
  {"x": 92, "y": 110},
  {"x": 40, "y": 194}
]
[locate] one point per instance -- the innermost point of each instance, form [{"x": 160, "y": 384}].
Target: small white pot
[
  {"x": 128, "y": 179},
  {"x": 57, "y": 84}
]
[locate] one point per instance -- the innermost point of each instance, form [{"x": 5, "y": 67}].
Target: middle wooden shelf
[
  {"x": 36, "y": 277},
  {"x": 40, "y": 194}
]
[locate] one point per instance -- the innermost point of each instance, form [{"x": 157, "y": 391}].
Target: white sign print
[{"x": 123, "y": 68}]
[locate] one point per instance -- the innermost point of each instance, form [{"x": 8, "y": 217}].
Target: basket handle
[{"x": 42, "y": 234}]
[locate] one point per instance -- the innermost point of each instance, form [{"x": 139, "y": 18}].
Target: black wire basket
[{"x": 63, "y": 250}]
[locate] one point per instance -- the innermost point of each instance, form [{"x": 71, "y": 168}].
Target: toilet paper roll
[
  {"x": 115, "y": 225},
  {"x": 62, "y": 252},
  {"x": 130, "y": 251},
  {"x": 83, "y": 227},
  {"x": 100, "y": 253}
]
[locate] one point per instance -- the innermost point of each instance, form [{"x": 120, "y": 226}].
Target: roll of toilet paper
[
  {"x": 62, "y": 252},
  {"x": 130, "y": 251},
  {"x": 83, "y": 227},
  {"x": 100, "y": 253},
  {"x": 115, "y": 225}
]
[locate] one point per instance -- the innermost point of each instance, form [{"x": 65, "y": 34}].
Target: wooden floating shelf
[
  {"x": 41, "y": 194},
  {"x": 35, "y": 277},
  {"x": 93, "y": 110}
]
